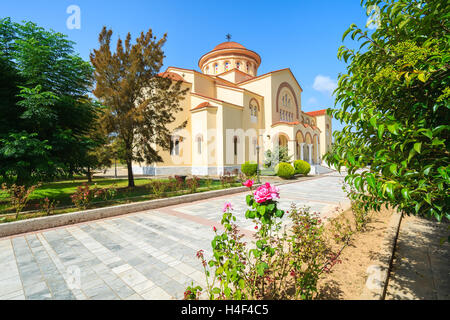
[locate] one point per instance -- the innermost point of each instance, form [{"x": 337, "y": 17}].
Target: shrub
[
  {"x": 19, "y": 196},
  {"x": 159, "y": 187},
  {"x": 82, "y": 197},
  {"x": 393, "y": 103},
  {"x": 192, "y": 183},
  {"x": 181, "y": 180},
  {"x": 284, "y": 264},
  {"x": 227, "y": 180},
  {"x": 48, "y": 206},
  {"x": 284, "y": 170},
  {"x": 302, "y": 167},
  {"x": 249, "y": 168},
  {"x": 208, "y": 182}
]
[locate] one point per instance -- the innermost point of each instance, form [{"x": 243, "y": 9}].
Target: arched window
[
  {"x": 254, "y": 146},
  {"x": 235, "y": 143},
  {"x": 175, "y": 146},
  {"x": 216, "y": 68},
  {"x": 238, "y": 65},
  {"x": 227, "y": 66}
]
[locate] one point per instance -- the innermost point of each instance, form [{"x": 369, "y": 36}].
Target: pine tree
[{"x": 140, "y": 104}]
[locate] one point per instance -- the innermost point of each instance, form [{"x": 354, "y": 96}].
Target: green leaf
[
  {"x": 418, "y": 146},
  {"x": 421, "y": 77},
  {"x": 261, "y": 267},
  {"x": 215, "y": 290},
  {"x": 371, "y": 180},
  {"x": 405, "y": 194},
  {"x": 393, "y": 169},
  {"x": 380, "y": 131}
]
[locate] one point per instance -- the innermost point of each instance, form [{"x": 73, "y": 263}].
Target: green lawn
[{"x": 62, "y": 190}]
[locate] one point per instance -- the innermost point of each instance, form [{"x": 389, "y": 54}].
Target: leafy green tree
[
  {"x": 140, "y": 103},
  {"x": 395, "y": 106},
  {"x": 45, "y": 111}
]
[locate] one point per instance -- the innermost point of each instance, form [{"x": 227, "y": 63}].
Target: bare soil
[{"x": 346, "y": 280}]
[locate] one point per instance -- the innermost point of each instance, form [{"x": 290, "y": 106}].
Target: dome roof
[
  {"x": 229, "y": 45},
  {"x": 229, "y": 48}
]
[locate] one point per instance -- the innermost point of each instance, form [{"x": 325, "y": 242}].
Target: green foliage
[
  {"x": 83, "y": 197},
  {"x": 394, "y": 102},
  {"x": 19, "y": 196},
  {"x": 249, "y": 169},
  {"x": 140, "y": 104},
  {"x": 279, "y": 154},
  {"x": 302, "y": 167},
  {"x": 193, "y": 183},
  {"x": 284, "y": 170},
  {"x": 281, "y": 264},
  {"x": 45, "y": 110},
  {"x": 158, "y": 187}
]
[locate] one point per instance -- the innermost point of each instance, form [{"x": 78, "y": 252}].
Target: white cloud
[
  {"x": 324, "y": 84},
  {"x": 312, "y": 101}
]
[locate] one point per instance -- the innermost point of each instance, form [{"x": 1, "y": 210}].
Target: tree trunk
[
  {"x": 89, "y": 176},
  {"x": 130, "y": 174}
]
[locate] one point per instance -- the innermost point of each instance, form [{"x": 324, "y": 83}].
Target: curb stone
[{"x": 378, "y": 272}]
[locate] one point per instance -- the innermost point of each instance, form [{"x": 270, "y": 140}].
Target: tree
[
  {"x": 395, "y": 107},
  {"x": 45, "y": 112},
  {"x": 140, "y": 104},
  {"x": 101, "y": 151}
]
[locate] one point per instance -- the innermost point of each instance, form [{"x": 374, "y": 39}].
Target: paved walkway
[
  {"x": 144, "y": 255},
  {"x": 421, "y": 264}
]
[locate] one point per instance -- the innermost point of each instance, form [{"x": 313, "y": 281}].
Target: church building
[{"x": 233, "y": 114}]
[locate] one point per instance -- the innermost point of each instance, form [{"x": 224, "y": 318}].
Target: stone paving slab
[
  {"x": 143, "y": 255},
  {"x": 420, "y": 269}
]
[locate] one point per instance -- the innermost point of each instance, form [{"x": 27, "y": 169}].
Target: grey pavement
[
  {"x": 144, "y": 255},
  {"x": 421, "y": 263}
]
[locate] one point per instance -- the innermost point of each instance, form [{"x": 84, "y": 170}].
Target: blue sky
[{"x": 303, "y": 35}]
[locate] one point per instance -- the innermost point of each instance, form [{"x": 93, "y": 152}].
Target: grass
[{"x": 62, "y": 190}]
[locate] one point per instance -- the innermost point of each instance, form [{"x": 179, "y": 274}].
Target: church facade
[{"x": 233, "y": 114}]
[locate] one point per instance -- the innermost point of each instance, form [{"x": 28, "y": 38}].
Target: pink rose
[
  {"x": 227, "y": 206},
  {"x": 266, "y": 192},
  {"x": 248, "y": 183}
]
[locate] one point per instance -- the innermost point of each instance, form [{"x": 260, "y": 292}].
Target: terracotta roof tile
[
  {"x": 202, "y": 105},
  {"x": 171, "y": 75},
  {"x": 229, "y": 45},
  {"x": 317, "y": 113}
]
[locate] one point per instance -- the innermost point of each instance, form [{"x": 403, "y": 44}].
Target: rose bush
[{"x": 282, "y": 264}]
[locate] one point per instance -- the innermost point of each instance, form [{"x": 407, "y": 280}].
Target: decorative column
[
  {"x": 301, "y": 151},
  {"x": 291, "y": 147},
  {"x": 317, "y": 151},
  {"x": 310, "y": 153}
]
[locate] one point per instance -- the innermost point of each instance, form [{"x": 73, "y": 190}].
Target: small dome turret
[{"x": 228, "y": 56}]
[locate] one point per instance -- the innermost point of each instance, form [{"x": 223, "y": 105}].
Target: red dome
[{"x": 229, "y": 45}]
